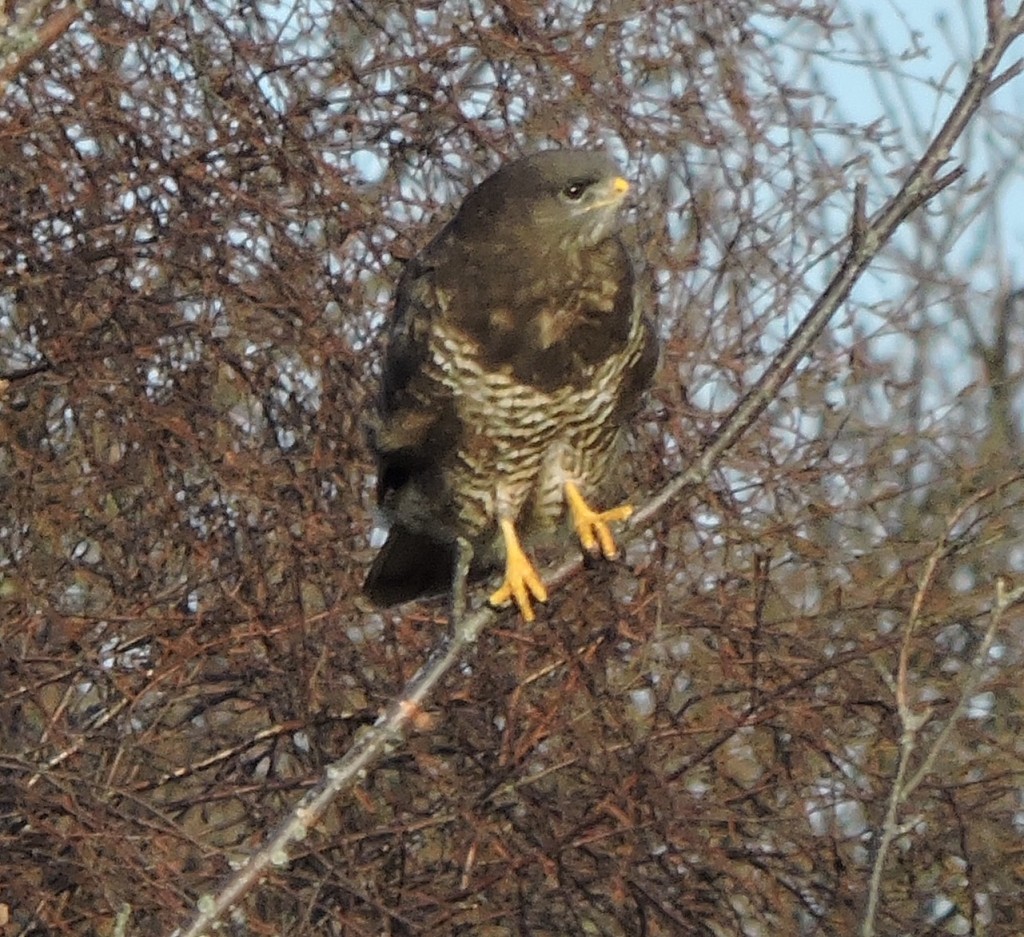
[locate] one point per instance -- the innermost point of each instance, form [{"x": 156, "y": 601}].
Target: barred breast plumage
[{"x": 516, "y": 352}]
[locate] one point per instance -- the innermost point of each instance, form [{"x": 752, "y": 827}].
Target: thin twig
[
  {"x": 923, "y": 588},
  {"x": 976, "y": 673},
  {"x": 921, "y": 184},
  {"x": 864, "y": 243},
  {"x": 339, "y": 776},
  {"x": 913, "y": 722},
  {"x": 36, "y": 41},
  {"x": 1002, "y": 30}
]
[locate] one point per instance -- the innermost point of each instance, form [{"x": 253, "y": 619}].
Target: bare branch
[
  {"x": 913, "y": 721},
  {"x": 859, "y": 224},
  {"x": 1006, "y": 76},
  {"x": 206, "y": 209},
  {"x": 863, "y": 244},
  {"x": 339, "y": 776},
  {"x": 922, "y": 183},
  {"x": 33, "y": 42}
]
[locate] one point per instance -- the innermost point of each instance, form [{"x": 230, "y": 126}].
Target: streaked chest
[{"x": 517, "y": 418}]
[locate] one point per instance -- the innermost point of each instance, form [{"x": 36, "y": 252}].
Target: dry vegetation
[{"x": 795, "y": 709}]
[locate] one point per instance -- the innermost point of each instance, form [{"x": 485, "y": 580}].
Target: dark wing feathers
[{"x": 409, "y": 565}]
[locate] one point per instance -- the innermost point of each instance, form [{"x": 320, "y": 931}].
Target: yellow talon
[
  {"x": 521, "y": 579},
  {"x": 592, "y": 526}
]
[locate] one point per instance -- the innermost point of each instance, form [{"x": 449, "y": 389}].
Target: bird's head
[{"x": 555, "y": 200}]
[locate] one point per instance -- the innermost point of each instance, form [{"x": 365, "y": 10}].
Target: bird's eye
[{"x": 574, "y": 190}]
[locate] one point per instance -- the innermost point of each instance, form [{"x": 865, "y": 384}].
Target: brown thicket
[{"x": 795, "y": 707}]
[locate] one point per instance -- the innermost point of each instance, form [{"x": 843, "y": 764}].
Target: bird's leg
[
  {"x": 521, "y": 579},
  {"x": 460, "y": 576},
  {"x": 592, "y": 526}
]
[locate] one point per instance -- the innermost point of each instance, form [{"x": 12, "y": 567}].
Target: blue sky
[{"x": 952, "y": 32}]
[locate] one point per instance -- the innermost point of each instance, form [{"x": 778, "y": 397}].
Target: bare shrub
[{"x": 794, "y": 709}]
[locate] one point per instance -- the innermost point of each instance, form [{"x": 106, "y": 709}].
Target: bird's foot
[
  {"x": 522, "y": 581},
  {"x": 592, "y": 526}
]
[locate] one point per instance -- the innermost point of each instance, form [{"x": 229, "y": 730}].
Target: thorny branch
[{"x": 866, "y": 238}]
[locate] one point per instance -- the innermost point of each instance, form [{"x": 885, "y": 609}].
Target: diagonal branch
[
  {"x": 867, "y": 237},
  {"x": 22, "y": 44},
  {"x": 863, "y": 244}
]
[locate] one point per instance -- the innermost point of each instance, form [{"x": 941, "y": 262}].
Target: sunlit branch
[{"x": 867, "y": 235}]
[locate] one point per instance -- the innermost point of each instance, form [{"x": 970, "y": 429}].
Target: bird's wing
[
  {"x": 416, "y": 430},
  {"x": 412, "y": 407}
]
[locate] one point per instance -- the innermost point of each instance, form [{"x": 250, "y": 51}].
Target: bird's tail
[{"x": 409, "y": 566}]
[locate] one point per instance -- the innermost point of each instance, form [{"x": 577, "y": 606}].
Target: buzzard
[{"x": 516, "y": 352}]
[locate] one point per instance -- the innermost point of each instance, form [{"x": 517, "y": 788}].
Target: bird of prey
[{"x": 515, "y": 354}]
